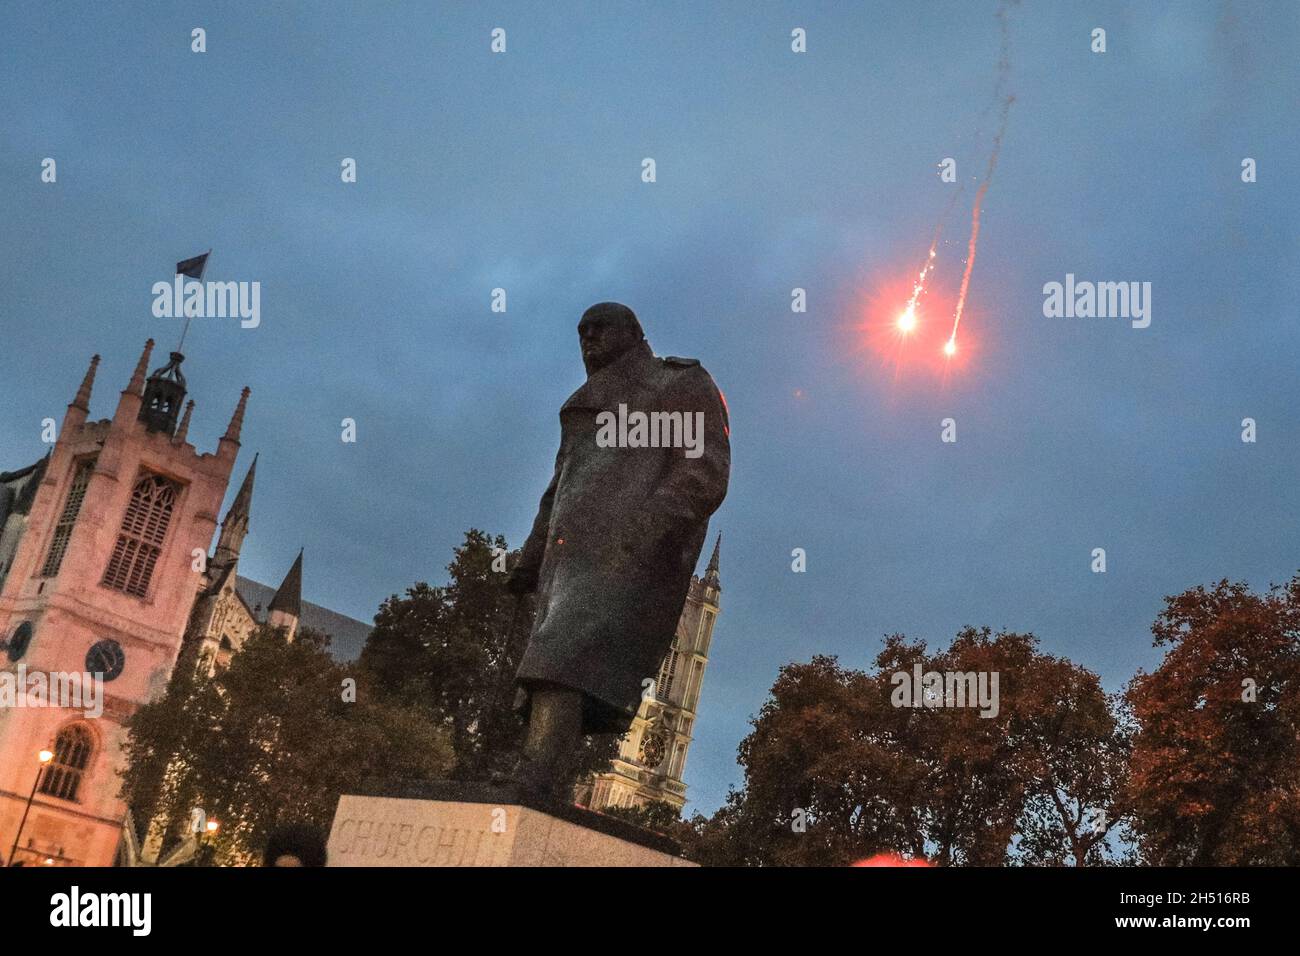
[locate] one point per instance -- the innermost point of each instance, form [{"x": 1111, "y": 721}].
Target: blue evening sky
[{"x": 775, "y": 170}]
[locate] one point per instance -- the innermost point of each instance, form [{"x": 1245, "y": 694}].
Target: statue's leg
[{"x": 554, "y": 734}]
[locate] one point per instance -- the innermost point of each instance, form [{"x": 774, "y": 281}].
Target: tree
[
  {"x": 656, "y": 815},
  {"x": 839, "y": 766},
  {"x": 1215, "y": 771},
  {"x": 1077, "y": 745},
  {"x": 966, "y": 768},
  {"x": 452, "y": 651},
  {"x": 821, "y": 778},
  {"x": 269, "y": 740}
]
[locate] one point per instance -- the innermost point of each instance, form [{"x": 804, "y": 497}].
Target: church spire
[
  {"x": 79, "y": 408},
  {"x": 183, "y": 431},
  {"x": 130, "y": 406},
  {"x": 289, "y": 597},
  {"x": 711, "y": 574},
  {"x": 286, "y": 606},
  {"x": 237, "y": 419},
  {"x": 82, "y": 401},
  {"x": 235, "y": 524},
  {"x": 136, "y": 385},
  {"x": 244, "y": 497}
]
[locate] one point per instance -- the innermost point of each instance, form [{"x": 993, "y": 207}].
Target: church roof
[
  {"x": 349, "y": 635},
  {"x": 22, "y": 501},
  {"x": 6, "y": 476}
]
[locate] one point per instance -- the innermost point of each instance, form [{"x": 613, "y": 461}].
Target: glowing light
[
  {"x": 891, "y": 859},
  {"x": 950, "y": 348},
  {"x": 907, "y": 321}
]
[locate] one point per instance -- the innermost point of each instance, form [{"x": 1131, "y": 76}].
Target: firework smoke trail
[
  {"x": 975, "y": 224},
  {"x": 1004, "y": 68}
]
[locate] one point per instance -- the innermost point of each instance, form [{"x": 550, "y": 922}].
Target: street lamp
[
  {"x": 203, "y": 848},
  {"x": 45, "y": 756}
]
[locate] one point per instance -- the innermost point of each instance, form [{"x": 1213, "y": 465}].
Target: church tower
[
  {"x": 652, "y": 756},
  {"x": 101, "y": 582},
  {"x": 220, "y": 621}
]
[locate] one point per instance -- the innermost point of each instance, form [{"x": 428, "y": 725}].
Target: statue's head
[{"x": 606, "y": 331}]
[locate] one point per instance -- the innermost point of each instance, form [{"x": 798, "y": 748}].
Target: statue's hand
[{"x": 522, "y": 580}]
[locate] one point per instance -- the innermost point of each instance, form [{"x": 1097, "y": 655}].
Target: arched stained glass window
[{"x": 72, "y": 749}]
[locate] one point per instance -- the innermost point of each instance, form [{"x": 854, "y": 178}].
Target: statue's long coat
[{"x": 618, "y": 535}]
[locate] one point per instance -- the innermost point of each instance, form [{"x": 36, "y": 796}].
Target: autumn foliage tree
[
  {"x": 1215, "y": 770},
  {"x": 1075, "y": 742},
  {"x": 276, "y": 737},
  {"x": 836, "y": 771}
]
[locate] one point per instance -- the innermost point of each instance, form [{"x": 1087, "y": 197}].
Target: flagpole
[{"x": 202, "y": 269}]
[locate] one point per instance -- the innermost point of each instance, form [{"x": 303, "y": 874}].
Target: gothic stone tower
[
  {"x": 102, "y": 580},
  {"x": 652, "y": 757}
]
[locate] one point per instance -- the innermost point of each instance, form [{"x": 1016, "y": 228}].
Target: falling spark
[
  {"x": 907, "y": 320},
  {"x": 951, "y": 346}
]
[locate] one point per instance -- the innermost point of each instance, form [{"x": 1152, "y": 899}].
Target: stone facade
[
  {"x": 105, "y": 568},
  {"x": 102, "y": 577}
]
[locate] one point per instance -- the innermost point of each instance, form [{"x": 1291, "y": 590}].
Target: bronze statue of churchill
[{"x": 615, "y": 542}]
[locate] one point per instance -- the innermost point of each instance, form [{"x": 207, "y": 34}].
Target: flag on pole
[
  {"x": 189, "y": 269},
  {"x": 193, "y": 268}
]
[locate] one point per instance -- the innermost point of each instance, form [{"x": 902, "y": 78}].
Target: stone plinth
[{"x": 460, "y": 824}]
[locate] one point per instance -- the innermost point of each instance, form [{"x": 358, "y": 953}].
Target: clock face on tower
[
  {"x": 106, "y": 657},
  {"x": 654, "y": 744}
]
